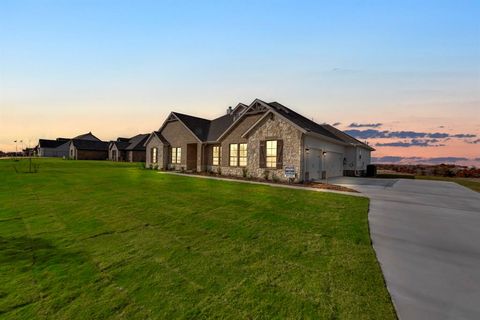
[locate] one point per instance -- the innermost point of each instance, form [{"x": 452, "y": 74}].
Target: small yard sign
[{"x": 290, "y": 172}]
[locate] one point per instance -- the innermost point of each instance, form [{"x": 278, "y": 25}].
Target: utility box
[{"x": 371, "y": 170}]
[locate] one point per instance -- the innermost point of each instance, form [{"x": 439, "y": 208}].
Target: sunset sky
[{"x": 403, "y": 75}]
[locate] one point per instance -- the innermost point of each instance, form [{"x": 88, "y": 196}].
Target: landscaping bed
[{"x": 317, "y": 185}]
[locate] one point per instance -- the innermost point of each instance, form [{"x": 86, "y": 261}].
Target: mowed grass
[
  {"x": 93, "y": 240},
  {"x": 466, "y": 182}
]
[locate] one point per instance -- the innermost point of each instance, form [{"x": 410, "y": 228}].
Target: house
[
  {"x": 87, "y": 147},
  {"x": 60, "y": 148},
  {"x": 128, "y": 149},
  {"x": 53, "y": 148},
  {"x": 262, "y": 140}
]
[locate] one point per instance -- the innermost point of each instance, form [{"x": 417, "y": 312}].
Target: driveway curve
[{"x": 426, "y": 235}]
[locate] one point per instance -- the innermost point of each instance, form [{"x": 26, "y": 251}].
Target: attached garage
[{"x": 334, "y": 164}]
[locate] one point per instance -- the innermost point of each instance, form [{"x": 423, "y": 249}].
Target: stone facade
[
  {"x": 272, "y": 128},
  {"x": 276, "y": 128}
]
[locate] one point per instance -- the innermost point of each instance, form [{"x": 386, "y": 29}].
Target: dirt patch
[{"x": 319, "y": 185}]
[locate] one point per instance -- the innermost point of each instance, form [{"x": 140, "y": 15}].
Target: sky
[{"x": 409, "y": 69}]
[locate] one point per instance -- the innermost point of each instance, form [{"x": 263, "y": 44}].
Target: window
[
  {"x": 271, "y": 159},
  {"x": 154, "y": 152},
  {"x": 242, "y": 159},
  {"x": 233, "y": 155},
  {"x": 176, "y": 155},
  {"x": 216, "y": 156},
  {"x": 271, "y": 154},
  {"x": 238, "y": 154}
]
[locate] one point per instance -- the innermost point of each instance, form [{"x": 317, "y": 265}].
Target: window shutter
[
  {"x": 279, "y": 154},
  {"x": 263, "y": 154}
]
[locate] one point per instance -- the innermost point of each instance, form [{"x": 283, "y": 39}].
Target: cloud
[
  {"x": 438, "y": 135},
  {"x": 474, "y": 141},
  {"x": 336, "y": 124},
  {"x": 377, "y": 134},
  {"x": 367, "y": 134},
  {"x": 420, "y": 160},
  {"x": 412, "y": 143},
  {"x": 364, "y": 125},
  {"x": 463, "y": 135}
]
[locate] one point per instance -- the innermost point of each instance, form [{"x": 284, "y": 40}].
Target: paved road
[{"x": 427, "y": 238}]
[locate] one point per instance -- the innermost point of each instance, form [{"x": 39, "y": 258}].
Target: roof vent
[{"x": 229, "y": 110}]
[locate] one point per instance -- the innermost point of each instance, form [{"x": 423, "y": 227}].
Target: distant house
[
  {"x": 53, "y": 148},
  {"x": 128, "y": 149},
  {"x": 60, "y": 148},
  {"x": 116, "y": 149},
  {"x": 80, "y": 149},
  {"x": 257, "y": 140}
]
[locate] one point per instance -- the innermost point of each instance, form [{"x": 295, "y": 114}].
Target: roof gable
[{"x": 87, "y": 136}]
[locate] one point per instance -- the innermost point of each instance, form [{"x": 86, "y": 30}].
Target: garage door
[{"x": 334, "y": 164}]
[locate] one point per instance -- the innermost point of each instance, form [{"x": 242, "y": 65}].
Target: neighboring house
[
  {"x": 80, "y": 149},
  {"x": 258, "y": 140},
  {"x": 53, "y": 148},
  {"x": 128, "y": 149},
  {"x": 60, "y": 147},
  {"x": 116, "y": 149}
]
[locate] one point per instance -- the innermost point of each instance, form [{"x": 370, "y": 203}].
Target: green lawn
[
  {"x": 469, "y": 183},
  {"x": 92, "y": 240}
]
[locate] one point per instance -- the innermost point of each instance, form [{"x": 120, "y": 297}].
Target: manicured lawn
[
  {"x": 90, "y": 240},
  {"x": 469, "y": 183}
]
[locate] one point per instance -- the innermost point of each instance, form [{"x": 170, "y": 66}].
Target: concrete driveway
[{"x": 427, "y": 238}]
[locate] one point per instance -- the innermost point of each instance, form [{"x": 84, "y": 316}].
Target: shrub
[
  {"x": 219, "y": 171},
  {"x": 244, "y": 172},
  {"x": 275, "y": 178},
  {"x": 266, "y": 174}
]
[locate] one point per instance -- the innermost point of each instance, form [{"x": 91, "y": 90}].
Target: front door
[{"x": 192, "y": 156}]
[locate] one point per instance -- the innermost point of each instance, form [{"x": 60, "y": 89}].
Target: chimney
[{"x": 229, "y": 110}]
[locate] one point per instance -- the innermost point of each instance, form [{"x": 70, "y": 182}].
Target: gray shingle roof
[
  {"x": 45, "y": 143},
  {"x": 87, "y": 136},
  {"x": 121, "y": 145},
  {"x": 218, "y": 126},
  {"x": 302, "y": 122},
  {"x": 93, "y": 145},
  {"x": 198, "y": 126},
  {"x": 136, "y": 142}
]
